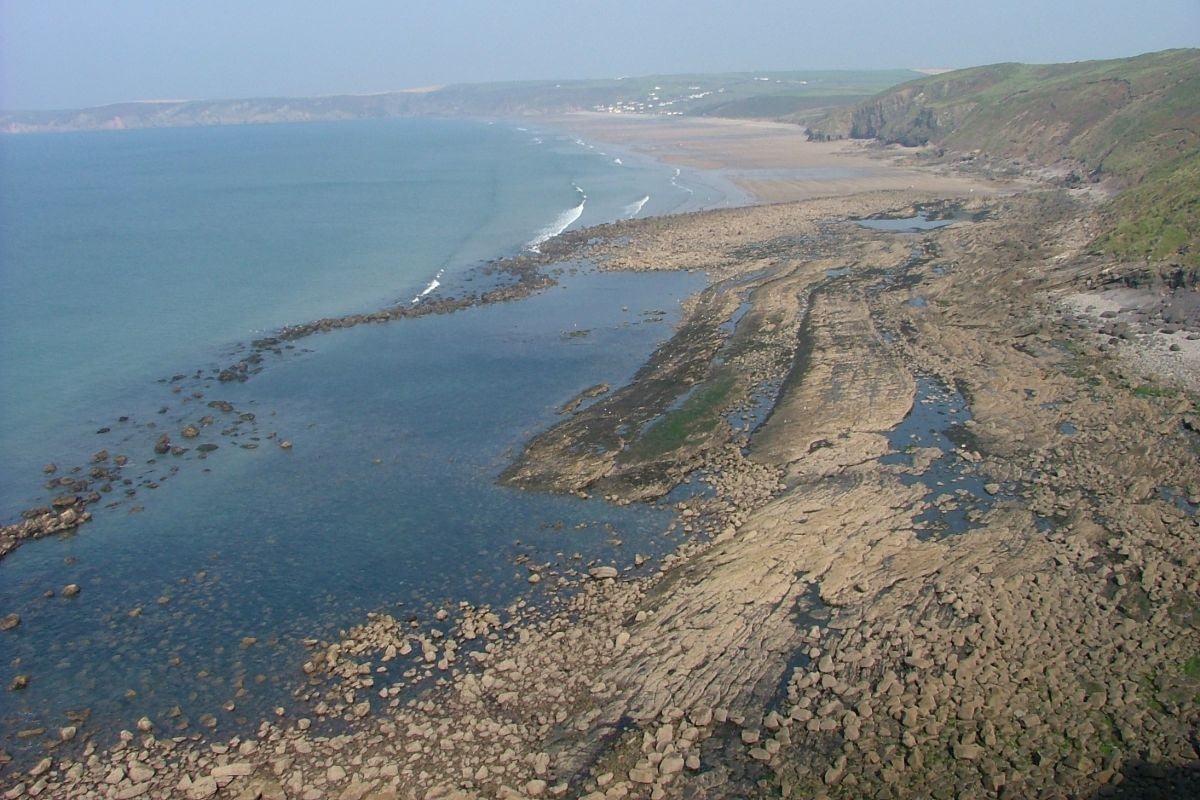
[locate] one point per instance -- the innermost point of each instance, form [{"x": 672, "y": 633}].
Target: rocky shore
[{"x": 1007, "y": 610}]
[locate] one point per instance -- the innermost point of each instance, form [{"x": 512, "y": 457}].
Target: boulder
[
  {"x": 202, "y": 788},
  {"x": 643, "y": 775}
]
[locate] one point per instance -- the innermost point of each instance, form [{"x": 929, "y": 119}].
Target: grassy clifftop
[{"x": 1135, "y": 121}]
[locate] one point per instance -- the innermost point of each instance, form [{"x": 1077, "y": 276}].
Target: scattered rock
[
  {"x": 202, "y": 788},
  {"x": 643, "y": 775}
]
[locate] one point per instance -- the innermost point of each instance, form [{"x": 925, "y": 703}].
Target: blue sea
[{"x": 133, "y": 264}]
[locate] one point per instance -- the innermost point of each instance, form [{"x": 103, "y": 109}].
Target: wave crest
[
  {"x": 633, "y": 209},
  {"x": 433, "y": 284},
  {"x": 560, "y": 224}
]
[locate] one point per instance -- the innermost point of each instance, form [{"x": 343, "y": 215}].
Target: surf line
[
  {"x": 433, "y": 284},
  {"x": 675, "y": 182},
  {"x": 633, "y": 209},
  {"x": 560, "y": 224}
]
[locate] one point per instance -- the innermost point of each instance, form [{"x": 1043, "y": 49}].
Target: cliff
[{"x": 1133, "y": 123}]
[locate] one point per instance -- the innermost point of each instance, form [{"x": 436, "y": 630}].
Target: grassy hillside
[
  {"x": 790, "y": 95},
  {"x": 747, "y": 94},
  {"x": 1159, "y": 219},
  {"x": 1135, "y": 121}
]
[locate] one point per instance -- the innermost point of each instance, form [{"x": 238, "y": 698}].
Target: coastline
[
  {"x": 809, "y": 639},
  {"x": 70, "y": 490},
  {"x": 772, "y": 162}
]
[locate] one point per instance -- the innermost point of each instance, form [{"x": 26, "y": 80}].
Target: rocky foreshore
[{"x": 829, "y": 628}]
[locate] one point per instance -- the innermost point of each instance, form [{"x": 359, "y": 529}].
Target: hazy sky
[{"x": 70, "y": 53}]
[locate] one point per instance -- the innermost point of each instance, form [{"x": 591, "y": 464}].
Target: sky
[{"x": 77, "y": 53}]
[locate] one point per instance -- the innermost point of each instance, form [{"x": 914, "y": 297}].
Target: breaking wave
[
  {"x": 560, "y": 224},
  {"x": 633, "y": 209},
  {"x": 675, "y": 182},
  {"x": 433, "y": 284}
]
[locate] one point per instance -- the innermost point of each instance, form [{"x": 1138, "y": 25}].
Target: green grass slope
[
  {"x": 1134, "y": 120},
  {"x": 1159, "y": 219}
]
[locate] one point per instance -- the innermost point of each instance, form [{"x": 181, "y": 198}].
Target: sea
[{"x": 135, "y": 264}]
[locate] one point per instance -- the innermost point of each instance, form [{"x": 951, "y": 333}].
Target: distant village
[{"x": 655, "y": 104}]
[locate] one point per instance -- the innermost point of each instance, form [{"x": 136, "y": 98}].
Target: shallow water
[
  {"x": 129, "y": 256},
  {"x": 905, "y": 224},
  {"x": 938, "y": 420},
  {"x": 387, "y": 499}
]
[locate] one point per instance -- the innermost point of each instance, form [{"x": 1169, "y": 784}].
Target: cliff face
[
  {"x": 918, "y": 112},
  {"x": 1122, "y": 116},
  {"x": 1134, "y": 122}
]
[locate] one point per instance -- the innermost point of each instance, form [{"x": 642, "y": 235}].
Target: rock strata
[{"x": 808, "y": 638}]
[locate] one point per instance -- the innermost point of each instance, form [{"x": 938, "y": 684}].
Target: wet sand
[{"x": 772, "y": 161}]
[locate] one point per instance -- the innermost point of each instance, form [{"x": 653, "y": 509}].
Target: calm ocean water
[{"x": 126, "y": 258}]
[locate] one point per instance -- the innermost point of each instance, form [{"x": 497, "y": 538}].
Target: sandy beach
[
  {"x": 772, "y": 161},
  {"x": 998, "y": 600}
]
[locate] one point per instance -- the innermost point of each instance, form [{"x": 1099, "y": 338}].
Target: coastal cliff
[{"x": 1123, "y": 124}]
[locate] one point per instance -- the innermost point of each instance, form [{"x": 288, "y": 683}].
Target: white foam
[
  {"x": 675, "y": 182},
  {"x": 433, "y": 284},
  {"x": 560, "y": 224},
  {"x": 633, "y": 209},
  {"x": 617, "y": 161}
]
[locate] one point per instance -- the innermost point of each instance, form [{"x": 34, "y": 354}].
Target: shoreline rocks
[{"x": 804, "y": 640}]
